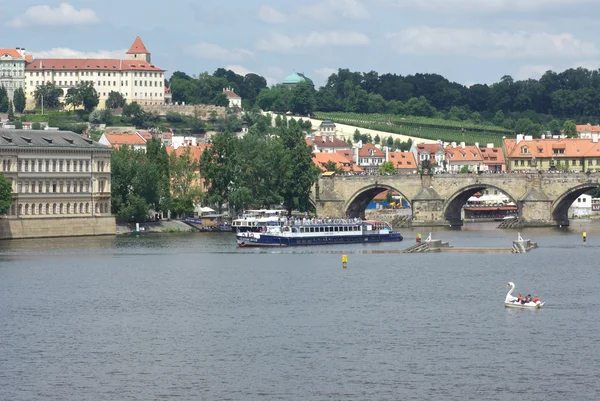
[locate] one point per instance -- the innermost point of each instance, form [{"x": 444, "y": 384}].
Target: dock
[{"x": 519, "y": 246}]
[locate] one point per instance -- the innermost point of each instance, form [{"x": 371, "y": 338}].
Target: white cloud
[
  {"x": 64, "y": 14},
  {"x": 485, "y": 44},
  {"x": 63, "y": 52},
  {"x": 276, "y": 71},
  {"x": 239, "y": 69},
  {"x": 211, "y": 51},
  {"x": 324, "y": 72},
  {"x": 281, "y": 43},
  {"x": 271, "y": 16},
  {"x": 482, "y": 6},
  {"x": 532, "y": 71},
  {"x": 329, "y": 9}
]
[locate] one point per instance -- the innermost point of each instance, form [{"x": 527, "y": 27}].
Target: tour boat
[
  {"x": 251, "y": 220},
  {"x": 512, "y": 302},
  {"x": 319, "y": 232}
]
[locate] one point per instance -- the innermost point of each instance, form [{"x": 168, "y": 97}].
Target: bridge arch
[
  {"x": 454, "y": 204},
  {"x": 357, "y": 204},
  {"x": 560, "y": 207}
]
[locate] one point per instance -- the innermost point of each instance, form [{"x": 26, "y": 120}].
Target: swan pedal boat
[{"x": 511, "y": 301}]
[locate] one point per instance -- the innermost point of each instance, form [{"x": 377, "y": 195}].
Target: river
[{"x": 190, "y": 317}]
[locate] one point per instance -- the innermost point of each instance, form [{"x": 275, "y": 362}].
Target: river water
[{"x": 190, "y": 317}]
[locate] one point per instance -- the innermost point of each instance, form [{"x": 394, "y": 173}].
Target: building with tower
[
  {"x": 135, "y": 77},
  {"x": 296, "y": 78}
]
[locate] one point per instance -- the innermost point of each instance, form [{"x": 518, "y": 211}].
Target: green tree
[
  {"x": 157, "y": 155},
  {"x": 387, "y": 168},
  {"x": 356, "y": 136},
  {"x": 332, "y": 166},
  {"x": 377, "y": 139},
  {"x": 523, "y": 126},
  {"x": 36, "y": 126},
  {"x": 5, "y": 195},
  {"x": 19, "y": 100},
  {"x": 499, "y": 117},
  {"x": 48, "y": 94},
  {"x": 464, "y": 170},
  {"x": 554, "y": 127},
  {"x": 185, "y": 182},
  {"x": 218, "y": 167},
  {"x": 73, "y": 98},
  {"x": 3, "y": 100},
  {"x": 11, "y": 112},
  {"x": 298, "y": 172},
  {"x": 89, "y": 95},
  {"x": 303, "y": 99},
  {"x": 390, "y": 141},
  {"x": 570, "y": 129},
  {"x": 115, "y": 100}
]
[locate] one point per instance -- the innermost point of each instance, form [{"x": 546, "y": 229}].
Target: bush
[{"x": 36, "y": 126}]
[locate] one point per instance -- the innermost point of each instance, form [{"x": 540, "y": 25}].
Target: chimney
[
  {"x": 454, "y": 145},
  {"x": 543, "y": 136},
  {"x": 528, "y": 138},
  {"x": 462, "y": 145},
  {"x": 356, "y": 156},
  {"x": 387, "y": 154},
  {"x": 519, "y": 138},
  {"x": 595, "y": 139},
  {"x": 477, "y": 145},
  {"x": 330, "y": 138},
  {"x": 490, "y": 146}
]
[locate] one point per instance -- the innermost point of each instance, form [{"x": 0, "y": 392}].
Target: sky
[{"x": 467, "y": 41}]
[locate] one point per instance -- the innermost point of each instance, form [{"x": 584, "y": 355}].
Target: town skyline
[{"x": 463, "y": 40}]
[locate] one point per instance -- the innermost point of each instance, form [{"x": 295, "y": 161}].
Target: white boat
[
  {"x": 512, "y": 302},
  {"x": 251, "y": 220}
]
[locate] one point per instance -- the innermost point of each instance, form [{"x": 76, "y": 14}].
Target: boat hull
[
  {"x": 266, "y": 240},
  {"x": 519, "y": 305}
]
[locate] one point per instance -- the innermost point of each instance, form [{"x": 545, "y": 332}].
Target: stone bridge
[{"x": 542, "y": 199}]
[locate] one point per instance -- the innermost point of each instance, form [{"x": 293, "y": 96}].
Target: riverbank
[{"x": 163, "y": 226}]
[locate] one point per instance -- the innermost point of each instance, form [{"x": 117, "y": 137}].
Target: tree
[
  {"x": 464, "y": 170},
  {"x": 73, "y": 98},
  {"x": 11, "y": 112},
  {"x": 303, "y": 99},
  {"x": 88, "y": 94},
  {"x": 523, "y": 126},
  {"x": 356, "y": 136},
  {"x": 387, "y": 168},
  {"x": 377, "y": 139},
  {"x": 332, "y": 166},
  {"x": 499, "y": 117},
  {"x": 554, "y": 127},
  {"x": 115, "y": 100},
  {"x": 218, "y": 166},
  {"x": 298, "y": 172},
  {"x": 5, "y": 195},
  {"x": 49, "y": 94},
  {"x": 390, "y": 141},
  {"x": 185, "y": 182},
  {"x": 570, "y": 129},
  {"x": 388, "y": 196},
  {"x": 3, "y": 100},
  {"x": 19, "y": 100}
]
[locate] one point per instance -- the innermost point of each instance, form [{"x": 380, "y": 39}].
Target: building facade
[
  {"x": 135, "y": 77},
  {"x": 234, "y": 99},
  {"x": 12, "y": 70},
  {"x": 58, "y": 179}
]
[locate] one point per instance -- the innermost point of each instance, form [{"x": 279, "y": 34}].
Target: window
[
  {"x": 47, "y": 208},
  {"x": 60, "y": 165},
  {"x": 54, "y": 165},
  {"x": 589, "y": 162},
  {"x": 54, "y": 208},
  {"x": 26, "y": 209},
  {"x": 40, "y": 209},
  {"x": 60, "y": 209},
  {"x": 87, "y": 207},
  {"x": 522, "y": 162},
  {"x": 47, "y": 165}
]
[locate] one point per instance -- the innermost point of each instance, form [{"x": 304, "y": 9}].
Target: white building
[
  {"x": 135, "y": 77},
  {"x": 581, "y": 207},
  {"x": 115, "y": 140},
  {"x": 12, "y": 70},
  {"x": 55, "y": 174},
  {"x": 234, "y": 99}
]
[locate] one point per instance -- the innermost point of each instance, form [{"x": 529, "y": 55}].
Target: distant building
[
  {"x": 135, "y": 77},
  {"x": 327, "y": 143},
  {"x": 369, "y": 157},
  {"x": 296, "y": 78},
  {"x": 60, "y": 184},
  {"x": 493, "y": 159},
  {"x": 234, "y": 99},
  {"x": 404, "y": 162},
  {"x": 463, "y": 156},
  {"x": 434, "y": 152},
  {"x": 588, "y": 131},
  {"x": 12, "y": 70},
  {"x": 581, "y": 207},
  {"x": 346, "y": 165},
  {"x": 114, "y": 140}
]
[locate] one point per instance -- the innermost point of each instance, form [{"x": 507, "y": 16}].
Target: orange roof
[
  {"x": 329, "y": 141},
  {"x": 547, "y": 148},
  {"x": 146, "y": 135},
  {"x": 346, "y": 153},
  {"x": 230, "y": 94},
  {"x": 466, "y": 154},
  {"x": 10, "y": 52},
  {"x": 195, "y": 151},
  {"x": 369, "y": 150},
  {"x": 588, "y": 128},
  {"x": 320, "y": 159},
  {"x": 117, "y": 140},
  {"x": 403, "y": 160},
  {"x": 41, "y": 64},
  {"x": 492, "y": 155},
  {"x": 138, "y": 47},
  {"x": 28, "y": 58}
]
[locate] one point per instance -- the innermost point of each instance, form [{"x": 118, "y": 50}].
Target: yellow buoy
[
  {"x": 584, "y": 236},
  {"x": 344, "y": 261}
]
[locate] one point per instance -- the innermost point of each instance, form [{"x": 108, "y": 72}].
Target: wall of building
[
  {"x": 189, "y": 110},
  {"x": 57, "y": 227}
]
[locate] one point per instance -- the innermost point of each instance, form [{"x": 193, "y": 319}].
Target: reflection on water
[{"x": 190, "y": 316}]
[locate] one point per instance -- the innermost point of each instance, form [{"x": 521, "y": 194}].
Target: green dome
[{"x": 295, "y": 78}]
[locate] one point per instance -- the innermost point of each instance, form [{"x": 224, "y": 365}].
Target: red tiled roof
[
  {"x": 10, "y": 52},
  {"x": 41, "y": 64},
  {"x": 28, "y": 58},
  {"x": 403, "y": 160},
  {"x": 492, "y": 155},
  {"x": 117, "y": 140},
  {"x": 195, "y": 151},
  {"x": 329, "y": 141},
  {"x": 466, "y": 154},
  {"x": 320, "y": 159},
  {"x": 544, "y": 148},
  {"x": 429, "y": 147},
  {"x": 369, "y": 148},
  {"x": 138, "y": 47},
  {"x": 146, "y": 135},
  {"x": 231, "y": 94},
  {"x": 346, "y": 153},
  {"x": 588, "y": 128}
]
